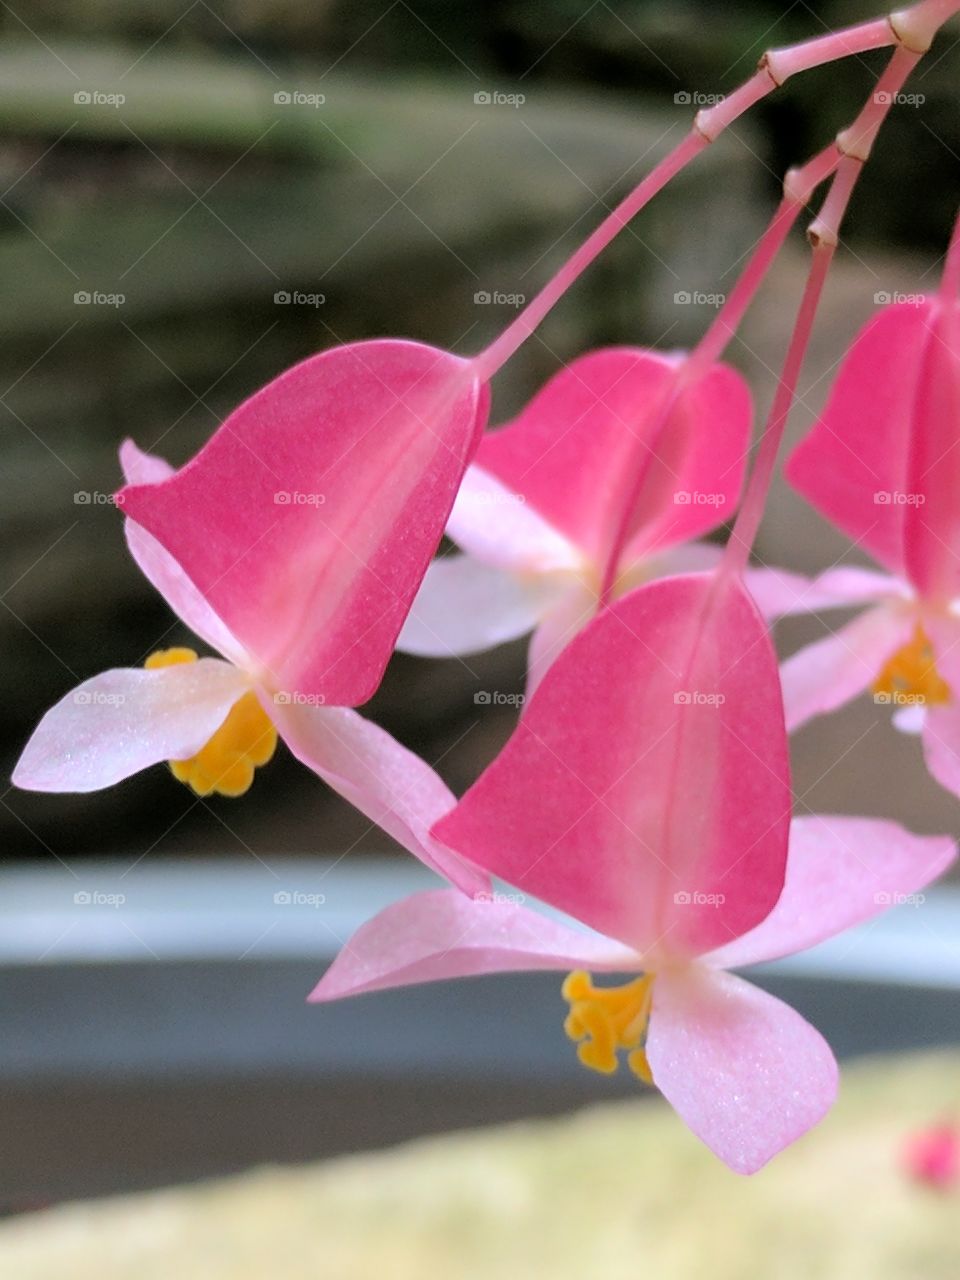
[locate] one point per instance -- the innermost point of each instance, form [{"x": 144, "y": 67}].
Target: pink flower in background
[
  {"x": 883, "y": 464},
  {"x": 645, "y": 793},
  {"x": 605, "y": 479},
  {"x": 217, "y": 719},
  {"x": 932, "y": 1156}
]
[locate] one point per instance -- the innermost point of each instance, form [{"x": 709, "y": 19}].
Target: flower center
[
  {"x": 224, "y": 765},
  {"x": 911, "y": 677},
  {"x": 605, "y": 1020}
]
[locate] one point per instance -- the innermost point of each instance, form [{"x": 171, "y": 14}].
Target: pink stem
[
  {"x": 774, "y": 68},
  {"x": 747, "y": 523},
  {"x": 798, "y": 187},
  {"x": 824, "y": 235},
  {"x": 499, "y": 352}
]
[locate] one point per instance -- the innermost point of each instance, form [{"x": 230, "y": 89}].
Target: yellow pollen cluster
[
  {"x": 245, "y": 740},
  {"x": 607, "y": 1019},
  {"x": 911, "y": 675}
]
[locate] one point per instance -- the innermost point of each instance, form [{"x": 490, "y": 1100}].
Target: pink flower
[
  {"x": 883, "y": 464},
  {"x": 932, "y": 1156},
  {"x": 645, "y": 793},
  {"x": 309, "y": 518},
  {"x": 217, "y": 719},
  {"x": 606, "y": 478}
]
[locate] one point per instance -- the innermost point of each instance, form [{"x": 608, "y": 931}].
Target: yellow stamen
[
  {"x": 607, "y": 1019},
  {"x": 911, "y": 677},
  {"x": 245, "y": 740}
]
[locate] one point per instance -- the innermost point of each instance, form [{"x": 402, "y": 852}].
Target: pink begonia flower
[
  {"x": 883, "y": 464},
  {"x": 217, "y": 719},
  {"x": 309, "y": 518},
  {"x": 599, "y": 466},
  {"x": 932, "y": 1156},
  {"x": 645, "y": 793}
]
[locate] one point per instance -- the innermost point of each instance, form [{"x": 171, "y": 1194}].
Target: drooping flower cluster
[{"x": 645, "y": 792}]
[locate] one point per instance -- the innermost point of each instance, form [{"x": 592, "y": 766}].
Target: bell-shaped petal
[
  {"x": 744, "y": 1071},
  {"x": 646, "y": 790},
  {"x": 122, "y": 721},
  {"x": 824, "y": 675},
  {"x": 853, "y": 466},
  {"x": 466, "y": 606},
  {"x": 883, "y": 463},
  {"x": 163, "y": 572},
  {"x": 309, "y": 518},
  {"x": 441, "y": 934},
  {"x": 841, "y": 871},
  {"x": 615, "y": 449},
  {"x": 499, "y": 527},
  {"x": 378, "y": 775},
  {"x": 931, "y": 512}
]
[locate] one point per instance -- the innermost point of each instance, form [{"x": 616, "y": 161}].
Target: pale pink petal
[
  {"x": 140, "y": 467},
  {"x": 559, "y": 625},
  {"x": 440, "y": 934},
  {"x": 742, "y": 1069},
  {"x": 840, "y": 872},
  {"x": 778, "y": 592},
  {"x": 162, "y": 571},
  {"x": 931, "y": 518},
  {"x": 850, "y": 584},
  {"x": 853, "y": 465},
  {"x": 611, "y": 448},
  {"x": 466, "y": 606},
  {"x": 392, "y": 786},
  {"x": 686, "y": 557},
  {"x": 500, "y": 527},
  {"x": 124, "y": 720},
  {"x": 309, "y": 518},
  {"x": 826, "y": 674},
  {"x": 941, "y": 743},
  {"x": 645, "y": 790}
]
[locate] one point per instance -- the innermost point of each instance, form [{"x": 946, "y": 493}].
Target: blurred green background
[{"x": 176, "y": 155}]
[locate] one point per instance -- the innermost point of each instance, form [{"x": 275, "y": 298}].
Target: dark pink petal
[
  {"x": 378, "y": 775},
  {"x": 853, "y": 464},
  {"x": 646, "y": 788},
  {"x": 577, "y": 451},
  {"x": 309, "y": 519},
  {"x": 931, "y": 518},
  {"x": 840, "y": 872},
  {"x": 826, "y": 674},
  {"x": 125, "y": 720},
  {"x": 163, "y": 572},
  {"x": 742, "y": 1069},
  {"x": 440, "y": 934}
]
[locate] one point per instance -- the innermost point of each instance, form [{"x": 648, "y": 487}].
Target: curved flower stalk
[
  {"x": 645, "y": 794},
  {"x": 883, "y": 465},
  {"x": 216, "y": 720},
  {"x": 613, "y": 449}
]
